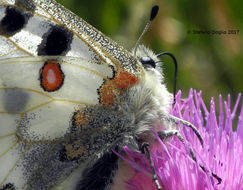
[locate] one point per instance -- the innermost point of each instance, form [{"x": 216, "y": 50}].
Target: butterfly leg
[
  {"x": 175, "y": 120},
  {"x": 164, "y": 135},
  {"x": 145, "y": 150},
  {"x": 169, "y": 133}
]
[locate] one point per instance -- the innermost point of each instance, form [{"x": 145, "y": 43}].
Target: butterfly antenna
[
  {"x": 153, "y": 14},
  {"x": 176, "y": 69}
]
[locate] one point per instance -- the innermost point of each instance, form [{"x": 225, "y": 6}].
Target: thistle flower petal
[{"x": 220, "y": 157}]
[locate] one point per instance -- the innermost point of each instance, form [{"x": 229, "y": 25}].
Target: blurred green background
[{"x": 209, "y": 62}]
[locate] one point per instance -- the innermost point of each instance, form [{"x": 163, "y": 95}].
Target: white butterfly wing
[
  {"x": 21, "y": 91},
  {"x": 35, "y": 32},
  {"x": 32, "y": 117},
  {"x": 52, "y": 64},
  {"x": 43, "y": 24}
]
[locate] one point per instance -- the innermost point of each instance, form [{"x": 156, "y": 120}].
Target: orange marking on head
[
  {"x": 52, "y": 76},
  {"x": 124, "y": 80}
]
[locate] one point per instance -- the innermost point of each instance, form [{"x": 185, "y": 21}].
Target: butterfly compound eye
[{"x": 148, "y": 61}]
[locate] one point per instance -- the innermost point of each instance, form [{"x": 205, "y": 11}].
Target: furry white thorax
[{"x": 149, "y": 99}]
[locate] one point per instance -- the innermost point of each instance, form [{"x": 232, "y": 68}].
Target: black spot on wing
[
  {"x": 13, "y": 21},
  {"x": 113, "y": 72},
  {"x": 56, "y": 41},
  {"x": 8, "y": 186},
  {"x": 15, "y": 100},
  {"x": 100, "y": 175}
]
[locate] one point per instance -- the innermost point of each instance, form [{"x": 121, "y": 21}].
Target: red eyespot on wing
[{"x": 51, "y": 76}]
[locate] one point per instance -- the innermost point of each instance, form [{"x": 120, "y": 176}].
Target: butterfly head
[
  {"x": 153, "y": 80},
  {"x": 147, "y": 58},
  {"x": 150, "y": 94}
]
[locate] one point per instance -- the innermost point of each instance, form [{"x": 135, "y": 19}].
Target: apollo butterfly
[{"x": 69, "y": 95}]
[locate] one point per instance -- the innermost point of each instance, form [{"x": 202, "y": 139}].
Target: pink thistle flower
[{"x": 222, "y": 153}]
